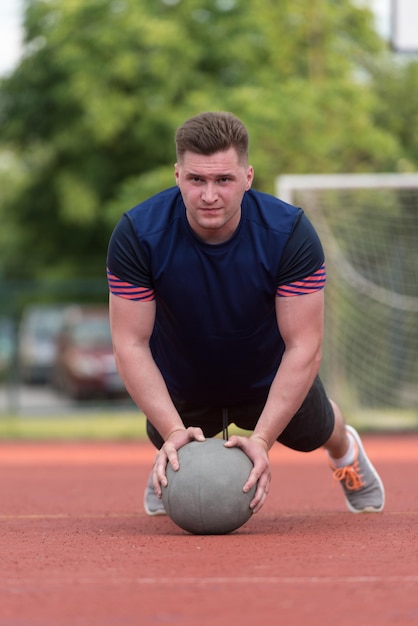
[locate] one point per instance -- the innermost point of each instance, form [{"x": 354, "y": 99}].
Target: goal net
[{"x": 368, "y": 225}]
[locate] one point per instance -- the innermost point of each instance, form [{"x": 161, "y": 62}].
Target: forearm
[
  {"x": 146, "y": 386},
  {"x": 290, "y": 386}
]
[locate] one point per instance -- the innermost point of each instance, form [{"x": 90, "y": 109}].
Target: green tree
[
  {"x": 395, "y": 83},
  {"x": 91, "y": 111}
]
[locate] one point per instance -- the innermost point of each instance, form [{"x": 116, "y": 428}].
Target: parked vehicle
[
  {"x": 38, "y": 332},
  {"x": 85, "y": 366},
  {"x": 6, "y": 345}
]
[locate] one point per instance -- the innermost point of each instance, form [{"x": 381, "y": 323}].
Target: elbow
[
  {"x": 317, "y": 359},
  {"x": 117, "y": 361}
]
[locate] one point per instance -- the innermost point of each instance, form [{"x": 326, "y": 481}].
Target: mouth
[{"x": 210, "y": 209}]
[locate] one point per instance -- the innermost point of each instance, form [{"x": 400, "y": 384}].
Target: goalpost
[{"x": 368, "y": 224}]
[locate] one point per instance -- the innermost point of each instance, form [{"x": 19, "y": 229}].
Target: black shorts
[{"x": 308, "y": 430}]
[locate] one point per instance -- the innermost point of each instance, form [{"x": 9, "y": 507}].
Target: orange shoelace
[{"x": 351, "y": 476}]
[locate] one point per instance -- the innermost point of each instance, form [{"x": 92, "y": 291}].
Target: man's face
[{"x": 212, "y": 188}]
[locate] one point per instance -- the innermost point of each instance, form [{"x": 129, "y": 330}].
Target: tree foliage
[
  {"x": 90, "y": 113},
  {"x": 396, "y": 87}
]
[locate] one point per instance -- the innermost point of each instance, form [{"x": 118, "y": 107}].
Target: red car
[{"x": 85, "y": 366}]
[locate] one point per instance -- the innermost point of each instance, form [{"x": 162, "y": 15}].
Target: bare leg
[{"x": 338, "y": 444}]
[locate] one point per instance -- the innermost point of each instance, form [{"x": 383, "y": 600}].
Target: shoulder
[
  {"x": 155, "y": 213},
  {"x": 142, "y": 232},
  {"x": 270, "y": 212}
]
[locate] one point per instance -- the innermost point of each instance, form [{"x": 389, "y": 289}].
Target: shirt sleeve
[
  {"x": 303, "y": 266},
  {"x": 128, "y": 272}
]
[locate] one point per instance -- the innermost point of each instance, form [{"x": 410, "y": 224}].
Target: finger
[
  {"x": 170, "y": 455},
  {"x": 260, "y": 495},
  {"x": 234, "y": 442},
  {"x": 195, "y": 433},
  {"x": 257, "y": 503},
  {"x": 252, "y": 480},
  {"x": 159, "y": 476}
]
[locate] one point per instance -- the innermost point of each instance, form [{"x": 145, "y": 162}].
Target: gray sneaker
[
  {"x": 363, "y": 488},
  {"x": 152, "y": 503}
]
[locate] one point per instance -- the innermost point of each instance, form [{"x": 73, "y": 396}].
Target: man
[{"x": 216, "y": 309}]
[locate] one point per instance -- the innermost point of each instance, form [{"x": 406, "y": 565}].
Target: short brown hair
[{"x": 211, "y": 132}]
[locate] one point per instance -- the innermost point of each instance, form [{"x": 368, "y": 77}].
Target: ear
[
  {"x": 176, "y": 173},
  {"x": 250, "y": 177}
]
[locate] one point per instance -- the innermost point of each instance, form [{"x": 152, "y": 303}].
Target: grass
[
  {"x": 86, "y": 427},
  {"x": 125, "y": 426},
  {"x": 384, "y": 420},
  {"x": 130, "y": 425}
]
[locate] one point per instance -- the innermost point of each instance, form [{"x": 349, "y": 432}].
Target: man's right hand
[{"x": 168, "y": 454}]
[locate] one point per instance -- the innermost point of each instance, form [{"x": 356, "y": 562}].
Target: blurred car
[
  {"x": 85, "y": 366},
  {"x": 6, "y": 344},
  {"x": 38, "y": 331}
]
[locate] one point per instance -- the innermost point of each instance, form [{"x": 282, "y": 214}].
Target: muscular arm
[
  {"x": 132, "y": 323},
  {"x": 300, "y": 320}
]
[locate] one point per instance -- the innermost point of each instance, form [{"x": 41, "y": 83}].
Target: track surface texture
[{"x": 76, "y": 548}]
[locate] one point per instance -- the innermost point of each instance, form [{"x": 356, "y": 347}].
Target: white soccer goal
[
  {"x": 368, "y": 225},
  {"x": 404, "y": 21}
]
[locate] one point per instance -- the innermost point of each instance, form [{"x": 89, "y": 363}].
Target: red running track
[{"x": 77, "y": 549}]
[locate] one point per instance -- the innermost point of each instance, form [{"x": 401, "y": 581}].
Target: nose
[{"x": 209, "y": 193}]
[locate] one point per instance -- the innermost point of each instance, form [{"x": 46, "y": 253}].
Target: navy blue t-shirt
[{"x": 215, "y": 339}]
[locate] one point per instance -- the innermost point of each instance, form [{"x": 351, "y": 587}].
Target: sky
[
  {"x": 10, "y": 34},
  {"x": 11, "y": 29}
]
